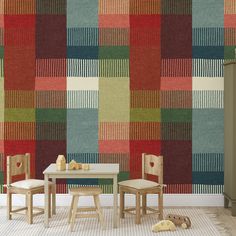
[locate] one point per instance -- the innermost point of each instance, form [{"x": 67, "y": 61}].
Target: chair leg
[
  {"x": 71, "y": 209},
  {"x": 144, "y": 204},
  {"x": 160, "y": 205},
  {"x": 138, "y": 216},
  {"x": 122, "y": 203},
  {"x": 99, "y": 210},
  {"x": 75, "y": 204},
  {"x": 30, "y": 208},
  {"x": 9, "y": 205}
]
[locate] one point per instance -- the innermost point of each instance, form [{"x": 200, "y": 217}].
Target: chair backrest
[
  {"x": 18, "y": 165},
  {"x": 152, "y": 165}
]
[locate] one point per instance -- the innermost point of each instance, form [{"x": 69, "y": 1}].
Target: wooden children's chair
[
  {"x": 151, "y": 165},
  {"x": 75, "y": 211},
  {"x": 20, "y": 165}
]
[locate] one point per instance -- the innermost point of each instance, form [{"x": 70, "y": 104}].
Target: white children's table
[{"x": 100, "y": 171}]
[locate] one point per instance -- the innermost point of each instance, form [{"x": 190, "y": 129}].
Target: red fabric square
[
  {"x": 136, "y": 150},
  {"x": 19, "y": 21},
  {"x": 145, "y": 68},
  {"x": 145, "y": 21},
  {"x": 19, "y": 68},
  {"x": 20, "y": 147}
]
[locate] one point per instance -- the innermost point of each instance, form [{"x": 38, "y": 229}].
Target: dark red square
[
  {"x": 177, "y": 156},
  {"x": 46, "y": 154},
  {"x": 176, "y": 36},
  {"x": 51, "y": 36}
]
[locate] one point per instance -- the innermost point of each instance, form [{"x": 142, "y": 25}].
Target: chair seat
[
  {"x": 139, "y": 184},
  {"x": 86, "y": 191},
  {"x": 28, "y": 183}
]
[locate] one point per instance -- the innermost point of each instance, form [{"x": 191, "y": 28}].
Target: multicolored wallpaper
[{"x": 102, "y": 81}]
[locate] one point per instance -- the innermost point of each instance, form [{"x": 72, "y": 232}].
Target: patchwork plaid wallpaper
[{"x": 104, "y": 80}]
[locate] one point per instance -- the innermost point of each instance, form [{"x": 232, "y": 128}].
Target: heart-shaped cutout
[
  {"x": 151, "y": 164},
  {"x": 19, "y": 164}
]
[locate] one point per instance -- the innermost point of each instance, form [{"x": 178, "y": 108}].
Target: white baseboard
[{"x": 198, "y": 200}]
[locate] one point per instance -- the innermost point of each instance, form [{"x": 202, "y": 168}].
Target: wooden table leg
[
  {"x": 75, "y": 205},
  {"x": 46, "y": 205},
  {"x": 122, "y": 203},
  {"x": 54, "y": 197},
  {"x": 115, "y": 218}
]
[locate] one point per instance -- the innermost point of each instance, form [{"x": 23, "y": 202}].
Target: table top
[{"x": 96, "y": 169}]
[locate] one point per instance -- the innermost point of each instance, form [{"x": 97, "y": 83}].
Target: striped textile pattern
[{"x": 103, "y": 81}]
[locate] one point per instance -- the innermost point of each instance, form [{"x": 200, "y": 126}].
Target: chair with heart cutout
[
  {"x": 151, "y": 165},
  {"x": 19, "y": 165}
]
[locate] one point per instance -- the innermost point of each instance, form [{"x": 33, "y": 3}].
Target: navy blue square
[
  {"x": 212, "y": 178},
  {"x": 208, "y": 52},
  {"x": 84, "y": 52}
]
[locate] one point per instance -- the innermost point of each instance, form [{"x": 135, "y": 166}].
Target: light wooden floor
[{"x": 224, "y": 216}]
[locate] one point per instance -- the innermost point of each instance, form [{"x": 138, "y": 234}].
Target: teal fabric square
[
  {"x": 207, "y": 13},
  {"x": 82, "y": 130},
  {"x": 208, "y": 131},
  {"x": 82, "y": 13}
]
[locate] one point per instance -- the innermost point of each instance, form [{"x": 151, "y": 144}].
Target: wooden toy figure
[
  {"x": 179, "y": 220},
  {"x": 61, "y": 162},
  {"x": 73, "y": 165}
]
